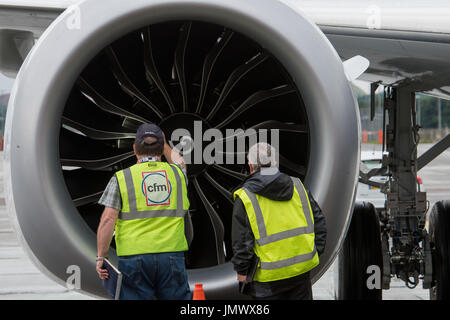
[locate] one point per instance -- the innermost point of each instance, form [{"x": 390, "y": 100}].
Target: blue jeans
[{"x": 151, "y": 276}]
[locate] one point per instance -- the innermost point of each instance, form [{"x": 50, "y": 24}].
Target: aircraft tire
[
  {"x": 361, "y": 249},
  {"x": 440, "y": 243}
]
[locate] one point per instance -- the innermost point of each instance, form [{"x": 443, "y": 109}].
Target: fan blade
[
  {"x": 282, "y": 126},
  {"x": 219, "y": 230},
  {"x": 86, "y": 186},
  {"x": 296, "y": 168},
  {"x": 150, "y": 68},
  {"x": 209, "y": 65},
  {"x": 78, "y": 202},
  {"x": 234, "y": 78},
  {"x": 96, "y": 164},
  {"x": 79, "y": 151},
  {"x": 284, "y": 162},
  {"x": 104, "y": 104},
  {"x": 237, "y": 175},
  {"x": 126, "y": 84},
  {"x": 254, "y": 100},
  {"x": 269, "y": 125},
  {"x": 97, "y": 134},
  {"x": 224, "y": 192},
  {"x": 180, "y": 54}
]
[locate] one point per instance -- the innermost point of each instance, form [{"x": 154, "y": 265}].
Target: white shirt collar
[{"x": 149, "y": 159}]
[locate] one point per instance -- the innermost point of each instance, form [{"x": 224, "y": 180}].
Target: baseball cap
[{"x": 149, "y": 130}]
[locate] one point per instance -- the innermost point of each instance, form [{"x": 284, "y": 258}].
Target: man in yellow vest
[
  {"x": 147, "y": 205},
  {"x": 276, "y": 220}
]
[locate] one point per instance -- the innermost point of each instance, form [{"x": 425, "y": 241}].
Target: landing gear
[
  {"x": 361, "y": 251},
  {"x": 440, "y": 246},
  {"x": 408, "y": 251}
]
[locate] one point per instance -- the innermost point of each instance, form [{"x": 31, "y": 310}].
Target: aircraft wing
[
  {"x": 29, "y": 15},
  {"x": 404, "y": 40},
  {"x": 22, "y": 22}
]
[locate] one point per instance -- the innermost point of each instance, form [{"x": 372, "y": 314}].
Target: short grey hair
[{"x": 262, "y": 155}]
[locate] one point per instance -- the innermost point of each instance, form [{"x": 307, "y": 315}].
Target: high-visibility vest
[
  {"x": 284, "y": 233},
  {"x": 154, "y": 204}
]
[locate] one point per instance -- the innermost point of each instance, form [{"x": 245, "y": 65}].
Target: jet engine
[{"x": 103, "y": 67}]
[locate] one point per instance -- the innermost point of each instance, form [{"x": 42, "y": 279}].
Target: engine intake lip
[{"x": 37, "y": 198}]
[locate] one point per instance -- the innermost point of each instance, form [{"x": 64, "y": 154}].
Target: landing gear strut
[{"x": 404, "y": 222}]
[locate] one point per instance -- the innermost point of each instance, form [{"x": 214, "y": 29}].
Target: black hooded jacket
[{"x": 279, "y": 187}]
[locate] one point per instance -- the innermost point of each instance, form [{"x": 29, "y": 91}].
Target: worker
[
  {"x": 146, "y": 204},
  {"x": 276, "y": 220}
]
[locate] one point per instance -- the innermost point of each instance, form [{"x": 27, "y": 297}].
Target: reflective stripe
[
  {"x": 263, "y": 237},
  {"x": 304, "y": 199},
  {"x": 179, "y": 212},
  {"x": 151, "y": 214},
  {"x": 258, "y": 213},
  {"x": 285, "y": 235},
  {"x": 288, "y": 262},
  {"x": 130, "y": 189},
  {"x": 179, "y": 192}
]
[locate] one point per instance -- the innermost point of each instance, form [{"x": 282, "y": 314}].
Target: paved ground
[{"x": 20, "y": 279}]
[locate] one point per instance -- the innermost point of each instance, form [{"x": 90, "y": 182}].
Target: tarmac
[{"x": 21, "y": 280}]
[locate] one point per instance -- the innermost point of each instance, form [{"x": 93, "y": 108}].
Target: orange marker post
[
  {"x": 380, "y": 136},
  {"x": 199, "y": 293}
]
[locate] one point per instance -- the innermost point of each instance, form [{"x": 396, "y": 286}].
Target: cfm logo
[{"x": 156, "y": 188}]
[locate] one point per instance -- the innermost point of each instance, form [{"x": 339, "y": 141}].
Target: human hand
[
  {"x": 102, "y": 273},
  {"x": 242, "y": 278}
]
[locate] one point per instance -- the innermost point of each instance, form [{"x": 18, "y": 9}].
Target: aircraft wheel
[
  {"x": 440, "y": 242},
  {"x": 361, "y": 249}
]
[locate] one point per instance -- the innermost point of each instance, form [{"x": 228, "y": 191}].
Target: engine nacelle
[{"x": 104, "y": 67}]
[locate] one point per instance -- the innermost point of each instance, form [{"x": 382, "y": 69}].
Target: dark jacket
[{"x": 279, "y": 187}]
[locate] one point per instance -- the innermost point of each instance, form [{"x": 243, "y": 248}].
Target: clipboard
[
  {"x": 114, "y": 281},
  {"x": 244, "y": 287}
]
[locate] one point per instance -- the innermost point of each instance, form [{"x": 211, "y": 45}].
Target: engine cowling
[{"x": 85, "y": 87}]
